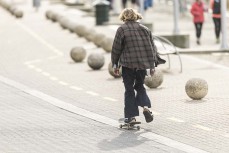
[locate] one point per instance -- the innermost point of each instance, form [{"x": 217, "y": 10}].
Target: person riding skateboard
[{"x": 134, "y": 49}]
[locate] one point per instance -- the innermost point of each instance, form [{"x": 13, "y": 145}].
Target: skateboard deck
[{"x": 129, "y": 126}]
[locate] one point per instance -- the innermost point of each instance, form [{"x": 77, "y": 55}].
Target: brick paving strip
[{"x": 99, "y": 118}]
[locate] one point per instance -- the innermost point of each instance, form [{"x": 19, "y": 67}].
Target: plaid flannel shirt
[{"x": 133, "y": 47}]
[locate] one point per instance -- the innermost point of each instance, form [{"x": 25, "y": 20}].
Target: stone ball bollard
[
  {"x": 59, "y": 17},
  {"x": 107, "y": 44},
  {"x": 54, "y": 15},
  {"x": 196, "y": 88},
  {"x": 96, "y": 61},
  {"x": 110, "y": 69},
  {"x": 78, "y": 54},
  {"x": 48, "y": 14},
  {"x": 91, "y": 35},
  {"x": 12, "y": 9},
  {"x": 98, "y": 39},
  {"x": 64, "y": 22},
  {"x": 71, "y": 26},
  {"x": 81, "y": 30},
  {"x": 155, "y": 80},
  {"x": 18, "y": 13},
  {"x": 6, "y": 4}
]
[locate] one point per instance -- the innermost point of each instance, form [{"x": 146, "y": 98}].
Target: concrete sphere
[
  {"x": 12, "y": 9},
  {"x": 64, "y": 22},
  {"x": 6, "y": 4},
  {"x": 95, "y": 61},
  {"x": 196, "y": 88},
  {"x": 98, "y": 39},
  {"x": 78, "y": 54},
  {"x": 48, "y": 14},
  {"x": 54, "y": 16},
  {"x": 59, "y": 17},
  {"x": 155, "y": 80},
  {"x": 71, "y": 26},
  {"x": 18, "y": 13},
  {"x": 91, "y": 35},
  {"x": 81, "y": 30},
  {"x": 107, "y": 44},
  {"x": 110, "y": 69}
]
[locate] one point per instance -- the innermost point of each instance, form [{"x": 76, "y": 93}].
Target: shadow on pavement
[{"x": 127, "y": 139}]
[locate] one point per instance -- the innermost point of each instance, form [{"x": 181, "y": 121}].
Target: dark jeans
[
  {"x": 217, "y": 22},
  {"x": 133, "y": 81},
  {"x": 198, "y": 29},
  {"x": 125, "y": 1}
]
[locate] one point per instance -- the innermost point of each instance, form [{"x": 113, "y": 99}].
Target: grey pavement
[{"x": 35, "y": 52}]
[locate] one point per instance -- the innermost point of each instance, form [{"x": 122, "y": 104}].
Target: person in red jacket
[{"x": 197, "y": 11}]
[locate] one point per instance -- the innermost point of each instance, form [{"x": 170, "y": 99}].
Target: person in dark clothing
[
  {"x": 134, "y": 49},
  {"x": 134, "y": 2},
  {"x": 216, "y": 15},
  {"x": 111, "y": 4}
]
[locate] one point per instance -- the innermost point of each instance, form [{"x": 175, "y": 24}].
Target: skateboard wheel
[{"x": 138, "y": 127}]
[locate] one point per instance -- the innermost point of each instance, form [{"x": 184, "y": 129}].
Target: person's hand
[
  {"x": 152, "y": 71},
  {"x": 116, "y": 71}
]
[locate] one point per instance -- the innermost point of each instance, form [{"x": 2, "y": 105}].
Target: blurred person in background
[
  {"x": 134, "y": 3},
  {"x": 111, "y": 4},
  {"x": 197, "y": 10},
  {"x": 216, "y": 15}
]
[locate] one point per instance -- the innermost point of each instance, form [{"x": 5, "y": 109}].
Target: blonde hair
[{"x": 129, "y": 14}]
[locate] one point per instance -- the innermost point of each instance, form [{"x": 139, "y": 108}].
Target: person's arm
[
  {"x": 152, "y": 69},
  {"x": 117, "y": 48},
  {"x": 158, "y": 59}
]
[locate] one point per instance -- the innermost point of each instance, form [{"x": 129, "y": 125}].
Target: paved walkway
[{"x": 38, "y": 76}]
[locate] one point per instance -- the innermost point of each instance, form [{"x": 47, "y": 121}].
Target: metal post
[
  {"x": 176, "y": 16},
  {"x": 141, "y": 8},
  {"x": 224, "y": 44}
]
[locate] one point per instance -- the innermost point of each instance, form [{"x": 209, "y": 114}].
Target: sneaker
[
  {"x": 130, "y": 120},
  {"x": 148, "y": 115}
]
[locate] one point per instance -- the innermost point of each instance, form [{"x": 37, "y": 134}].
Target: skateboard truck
[{"x": 131, "y": 125}]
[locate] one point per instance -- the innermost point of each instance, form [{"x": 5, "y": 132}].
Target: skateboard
[{"x": 131, "y": 125}]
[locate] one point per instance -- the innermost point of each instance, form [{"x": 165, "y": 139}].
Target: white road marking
[
  {"x": 76, "y": 88},
  {"x": 52, "y": 57},
  {"x": 31, "y": 66},
  {"x": 38, "y": 70},
  {"x": 53, "y": 78},
  {"x": 45, "y": 73},
  {"x": 156, "y": 113},
  {"x": 92, "y": 93},
  {"x": 111, "y": 99},
  {"x": 33, "y": 61},
  {"x": 39, "y": 38},
  {"x": 63, "y": 83},
  {"x": 99, "y": 118},
  {"x": 202, "y": 127},
  {"x": 175, "y": 119}
]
